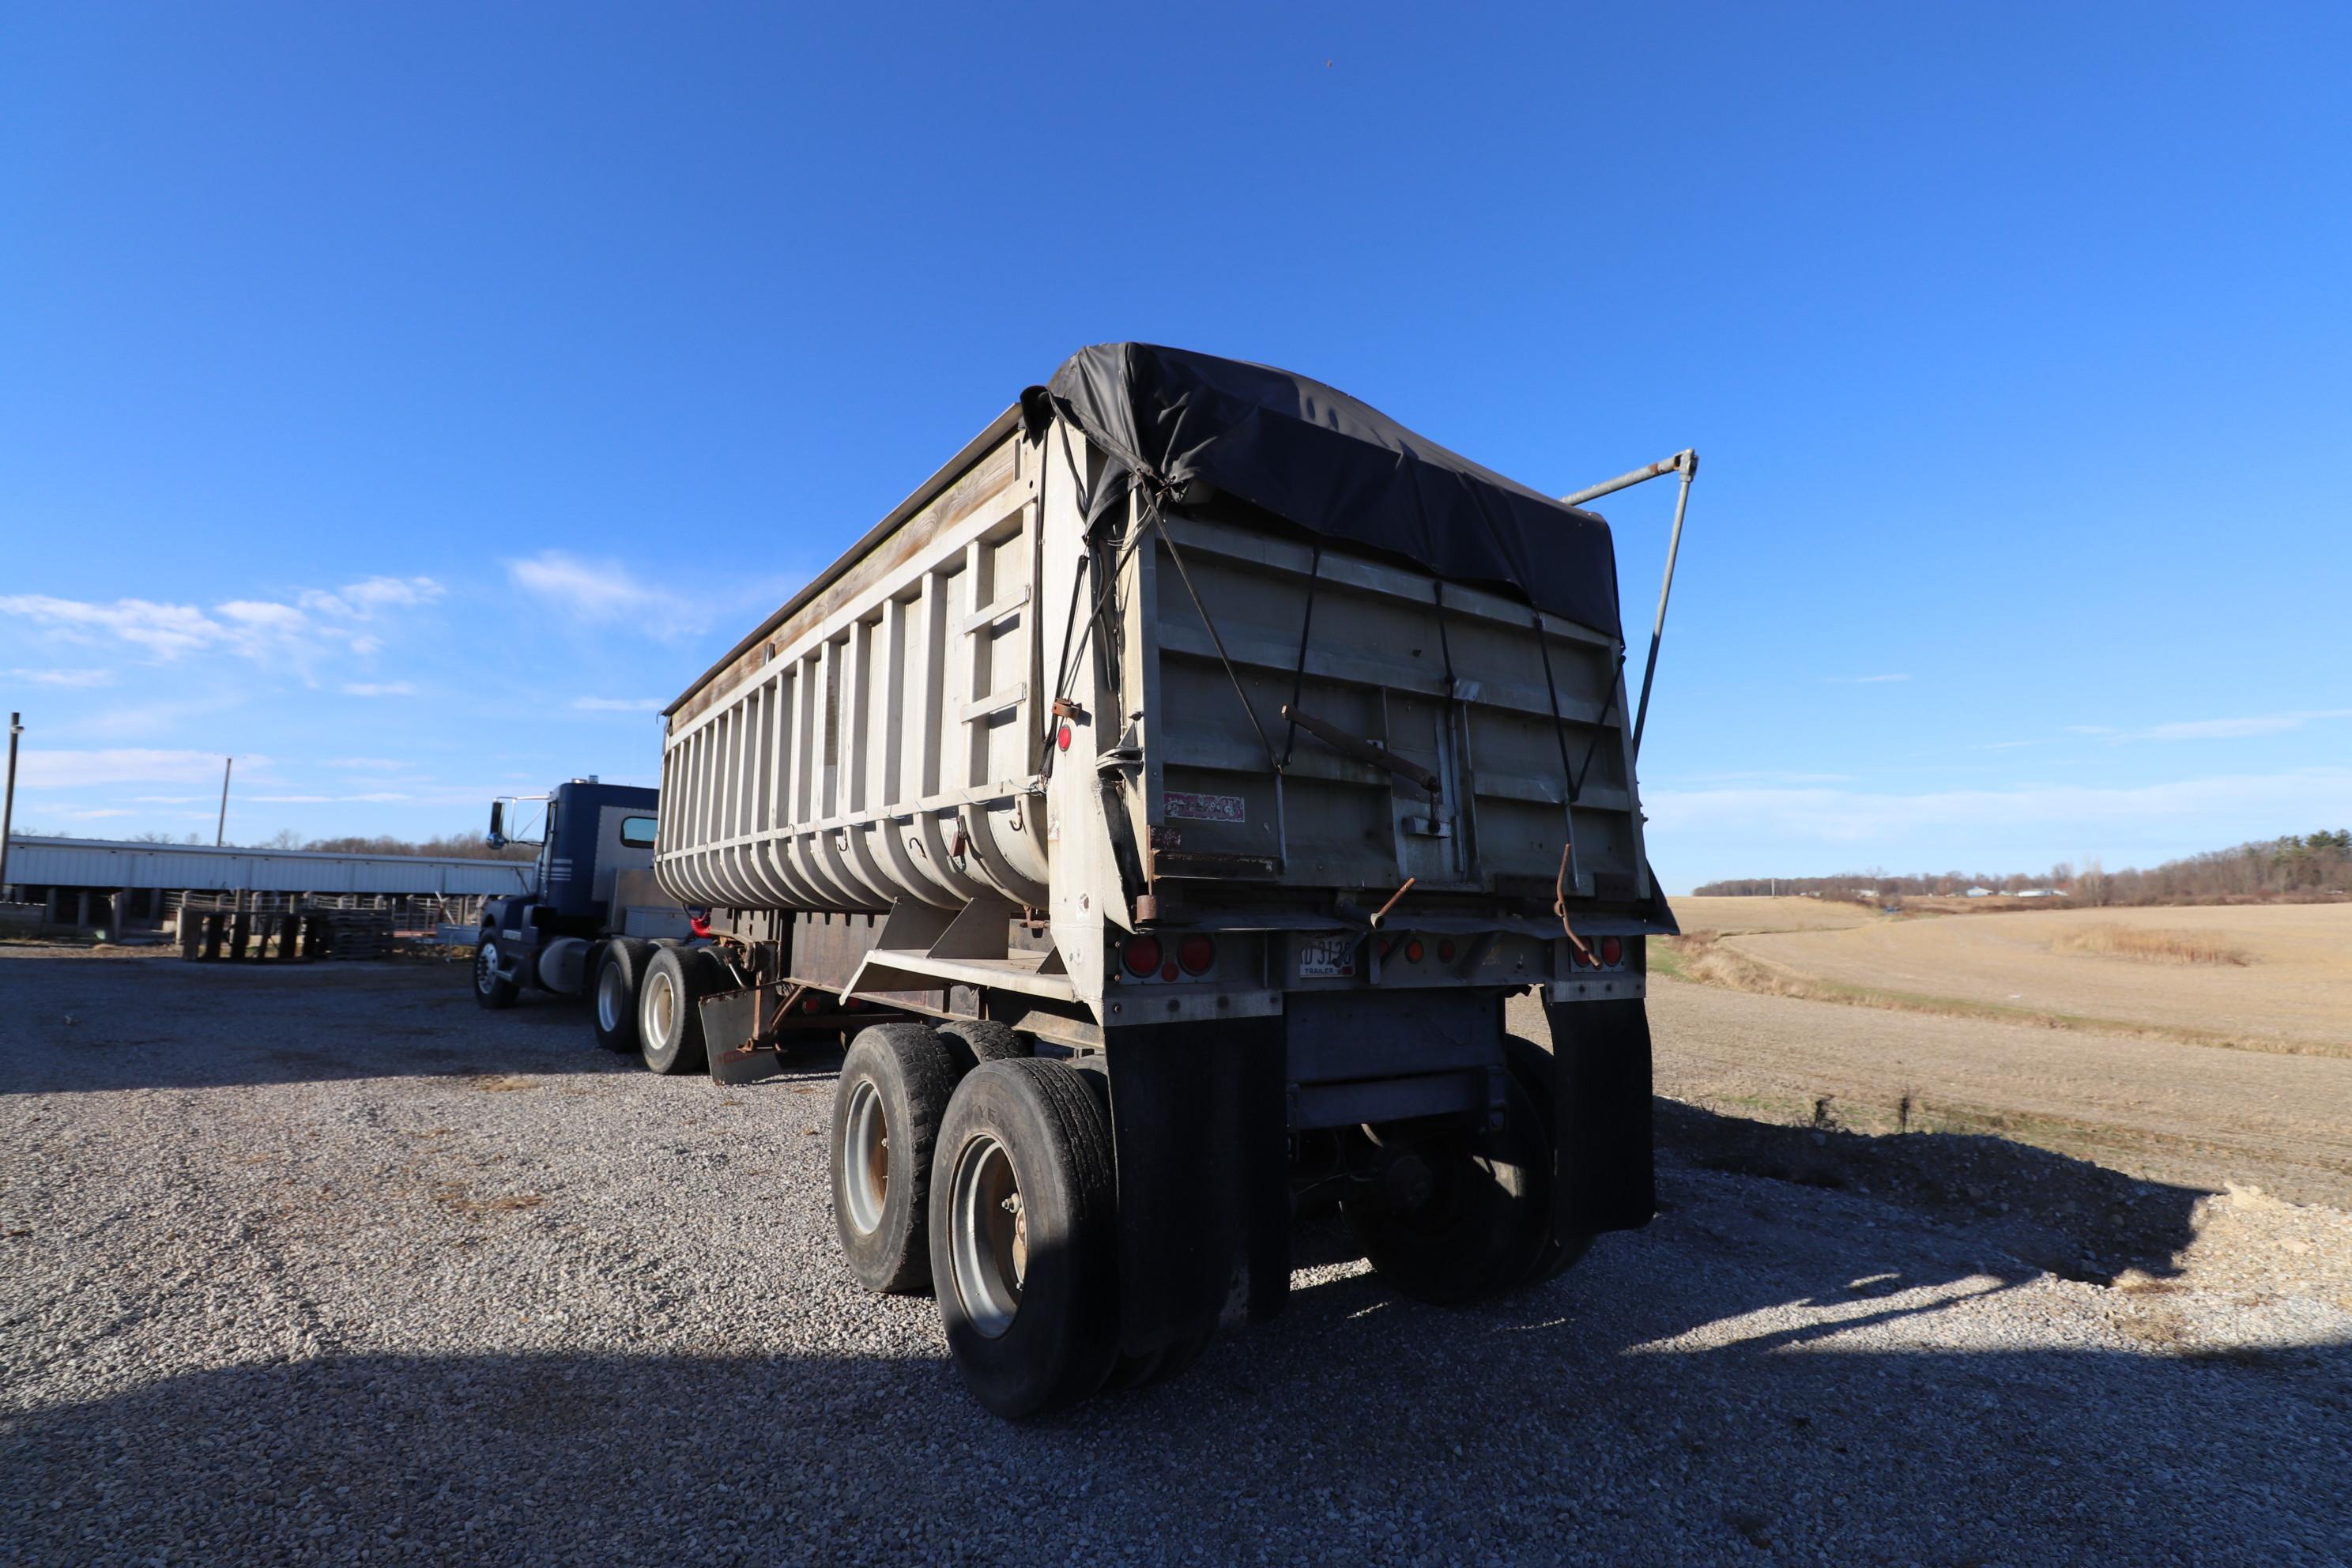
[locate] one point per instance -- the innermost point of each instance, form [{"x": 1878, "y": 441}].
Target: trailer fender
[{"x": 1203, "y": 1154}]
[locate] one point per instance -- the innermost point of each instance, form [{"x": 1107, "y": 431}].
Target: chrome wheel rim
[
  {"x": 990, "y": 1245},
  {"x": 660, "y": 1007},
  {"x": 486, "y": 967},
  {"x": 865, "y": 1158},
  {"x": 612, "y": 998}
]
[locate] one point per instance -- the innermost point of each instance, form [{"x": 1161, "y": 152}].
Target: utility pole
[
  {"x": 9, "y": 802},
  {"x": 221, "y": 827}
]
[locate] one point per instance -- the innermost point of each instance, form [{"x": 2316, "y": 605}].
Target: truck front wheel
[
  {"x": 490, "y": 988},
  {"x": 614, "y": 990},
  {"x": 1024, "y": 1238},
  {"x": 886, "y": 1108}
]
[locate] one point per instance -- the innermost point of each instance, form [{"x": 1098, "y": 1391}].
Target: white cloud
[
  {"x": 264, "y": 630},
  {"x": 363, "y": 598},
  {"x": 378, "y": 689},
  {"x": 66, "y": 677},
  {"x": 617, "y": 704},
  {"x": 166, "y": 631},
  {"x": 1857, "y": 818},
  {"x": 2234, "y": 729},
  {"x": 1863, "y": 679},
  {"x": 604, "y": 593},
  {"x": 44, "y": 769}
]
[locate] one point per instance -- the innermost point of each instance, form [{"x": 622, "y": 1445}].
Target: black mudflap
[
  {"x": 1605, "y": 1176},
  {"x": 1203, "y": 1176},
  {"x": 729, "y": 1019}
]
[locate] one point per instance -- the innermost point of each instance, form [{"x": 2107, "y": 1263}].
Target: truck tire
[
  {"x": 669, "y": 1016},
  {"x": 1024, "y": 1235},
  {"x": 886, "y": 1108},
  {"x": 1456, "y": 1229},
  {"x": 613, "y": 992},
  {"x": 490, "y": 990},
  {"x": 1531, "y": 1065},
  {"x": 971, "y": 1041}
]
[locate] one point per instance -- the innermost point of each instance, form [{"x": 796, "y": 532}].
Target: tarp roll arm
[{"x": 1686, "y": 463}]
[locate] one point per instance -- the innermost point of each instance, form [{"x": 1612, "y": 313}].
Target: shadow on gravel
[
  {"x": 1540, "y": 1430},
  {"x": 2068, "y": 1216}
]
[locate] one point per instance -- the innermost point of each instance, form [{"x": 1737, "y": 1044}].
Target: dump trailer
[
  {"x": 1186, "y": 774},
  {"x": 595, "y": 922}
]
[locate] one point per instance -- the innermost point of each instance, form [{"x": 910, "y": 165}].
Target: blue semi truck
[{"x": 594, "y": 923}]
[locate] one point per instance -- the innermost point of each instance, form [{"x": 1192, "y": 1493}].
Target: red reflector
[
  {"x": 1062, "y": 739},
  {"x": 1196, "y": 953},
  {"x": 1142, "y": 956},
  {"x": 1445, "y": 951},
  {"x": 1612, "y": 951},
  {"x": 1412, "y": 951},
  {"x": 1168, "y": 970},
  {"x": 809, "y": 1006}
]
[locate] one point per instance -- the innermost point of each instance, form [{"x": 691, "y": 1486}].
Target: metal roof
[{"x": 103, "y": 863}]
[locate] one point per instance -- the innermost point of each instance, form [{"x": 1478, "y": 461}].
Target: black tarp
[{"x": 1322, "y": 461}]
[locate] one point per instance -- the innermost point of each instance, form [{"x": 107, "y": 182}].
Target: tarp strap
[
  {"x": 1571, "y": 782},
  {"x": 1298, "y": 675},
  {"x": 1152, "y": 507}
]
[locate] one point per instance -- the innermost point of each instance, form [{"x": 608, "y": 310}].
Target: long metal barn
[{"x": 96, "y": 883}]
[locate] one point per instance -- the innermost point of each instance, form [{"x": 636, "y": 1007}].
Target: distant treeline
[
  {"x": 2313, "y": 865},
  {"x": 462, "y": 845}
]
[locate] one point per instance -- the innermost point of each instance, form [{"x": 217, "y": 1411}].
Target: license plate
[{"x": 1328, "y": 958}]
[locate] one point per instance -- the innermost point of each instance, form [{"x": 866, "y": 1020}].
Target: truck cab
[{"x": 593, "y": 884}]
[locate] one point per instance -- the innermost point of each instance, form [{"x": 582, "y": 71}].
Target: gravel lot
[{"x": 325, "y": 1265}]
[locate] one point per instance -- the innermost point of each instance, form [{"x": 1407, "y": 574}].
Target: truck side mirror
[{"x": 498, "y": 836}]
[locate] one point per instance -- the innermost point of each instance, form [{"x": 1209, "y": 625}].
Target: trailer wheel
[
  {"x": 613, "y": 991},
  {"x": 1023, "y": 1239},
  {"x": 1450, "y": 1219},
  {"x": 1531, "y": 1065},
  {"x": 893, "y": 1094},
  {"x": 489, "y": 989},
  {"x": 669, "y": 1016},
  {"x": 971, "y": 1041}
]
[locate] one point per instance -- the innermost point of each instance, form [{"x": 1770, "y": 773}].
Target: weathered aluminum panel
[{"x": 893, "y": 740}]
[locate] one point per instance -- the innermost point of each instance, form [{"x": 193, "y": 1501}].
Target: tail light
[
  {"x": 1195, "y": 953},
  {"x": 1446, "y": 949},
  {"x": 1142, "y": 956},
  {"x": 1412, "y": 951},
  {"x": 1613, "y": 950}
]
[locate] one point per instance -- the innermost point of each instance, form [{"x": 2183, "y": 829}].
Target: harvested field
[
  {"x": 329, "y": 1265},
  {"x": 2292, "y": 993},
  {"x": 2151, "y": 945},
  {"x": 1769, "y": 914}
]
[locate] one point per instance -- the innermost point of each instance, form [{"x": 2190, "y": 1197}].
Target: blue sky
[{"x": 408, "y": 400}]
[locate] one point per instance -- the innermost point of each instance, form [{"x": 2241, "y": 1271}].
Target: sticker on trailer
[
  {"x": 1328, "y": 958},
  {"x": 1205, "y": 807}
]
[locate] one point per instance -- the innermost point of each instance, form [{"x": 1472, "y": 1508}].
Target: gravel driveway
[{"x": 325, "y": 1265}]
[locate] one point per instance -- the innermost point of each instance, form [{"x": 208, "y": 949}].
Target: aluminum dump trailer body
[
  {"x": 1201, "y": 727},
  {"x": 1259, "y": 729}
]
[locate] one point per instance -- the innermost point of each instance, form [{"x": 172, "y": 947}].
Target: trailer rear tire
[
  {"x": 1532, "y": 1066},
  {"x": 893, "y": 1094},
  {"x": 669, "y": 1012},
  {"x": 971, "y": 1041},
  {"x": 489, "y": 989},
  {"x": 1459, "y": 1227},
  {"x": 1024, "y": 1235},
  {"x": 613, "y": 992}
]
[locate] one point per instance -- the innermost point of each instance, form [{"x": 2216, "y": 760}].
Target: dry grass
[{"x": 2151, "y": 945}]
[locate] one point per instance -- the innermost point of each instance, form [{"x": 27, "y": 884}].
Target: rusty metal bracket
[{"x": 1356, "y": 749}]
